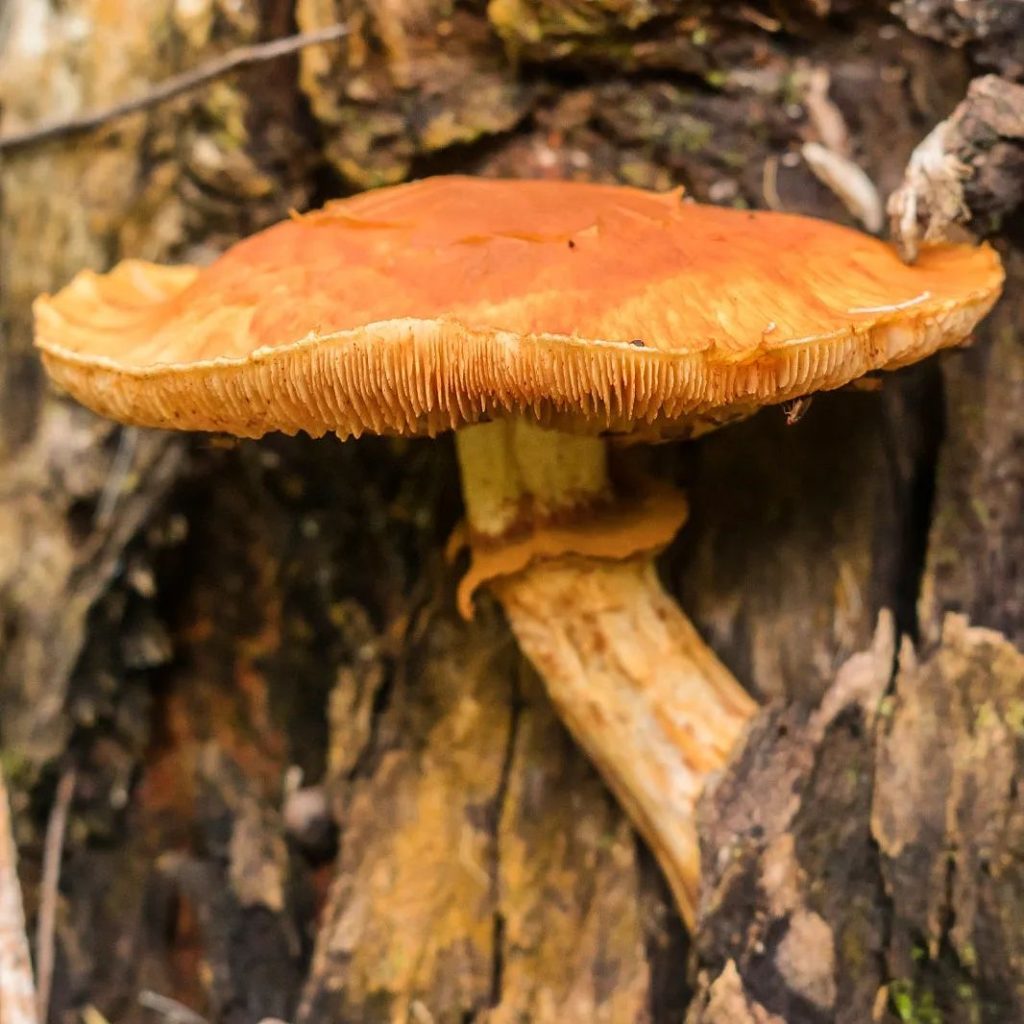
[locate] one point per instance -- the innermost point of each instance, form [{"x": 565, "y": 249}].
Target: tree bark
[{"x": 305, "y": 788}]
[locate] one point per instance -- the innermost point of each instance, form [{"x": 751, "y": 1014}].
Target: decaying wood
[
  {"x": 882, "y": 848},
  {"x": 200, "y": 632},
  {"x": 990, "y": 29},
  {"x": 976, "y": 543},
  {"x": 471, "y": 901},
  {"x": 60, "y": 555},
  {"x": 968, "y": 172},
  {"x": 171, "y": 88}
]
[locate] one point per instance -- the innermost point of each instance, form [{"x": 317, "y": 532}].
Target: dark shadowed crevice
[
  {"x": 465, "y": 157},
  {"x": 362, "y": 767},
  {"x": 500, "y": 798},
  {"x": 498, "y": 966},
  {"x": 914, "y": 428},
  {"x": 327, "y": 183},
  {"x": 666, "y": 944}
]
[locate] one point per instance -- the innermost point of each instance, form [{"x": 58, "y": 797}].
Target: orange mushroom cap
[{"x": 426, "y": 306}]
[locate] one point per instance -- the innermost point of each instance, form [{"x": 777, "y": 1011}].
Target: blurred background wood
[{"x": 180, "y": 619}]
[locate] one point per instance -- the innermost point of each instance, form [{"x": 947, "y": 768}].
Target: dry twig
[
  {"x": 849, "y": 182},
  {"x": 770, "y": 182},
  {"x": 170, "y": 1009},
  {"x": 53, "y": 853},
  {"x": 176, "y": 85}
]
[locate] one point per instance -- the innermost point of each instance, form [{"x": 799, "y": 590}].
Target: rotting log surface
[{"x": 180, "y": 620}]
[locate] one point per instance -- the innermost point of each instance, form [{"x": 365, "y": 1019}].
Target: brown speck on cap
[{"x": 428, "y": 306}]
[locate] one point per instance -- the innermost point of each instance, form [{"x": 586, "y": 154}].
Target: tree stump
[{"x": 305, "y": 789}]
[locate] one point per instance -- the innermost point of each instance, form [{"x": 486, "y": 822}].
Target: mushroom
[{"x": 541, "y": 321}]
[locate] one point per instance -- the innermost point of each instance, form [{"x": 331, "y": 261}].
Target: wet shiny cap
[{"x": 427, "y": 306}]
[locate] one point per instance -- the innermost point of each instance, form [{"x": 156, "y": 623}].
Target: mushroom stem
[
  {"x": 642, "y": 693},
  {"x": 515, "y": 473},
  {"x": 639, "y": 689}
]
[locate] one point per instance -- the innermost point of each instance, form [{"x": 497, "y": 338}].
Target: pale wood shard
[{"x": 17, "y": 988}]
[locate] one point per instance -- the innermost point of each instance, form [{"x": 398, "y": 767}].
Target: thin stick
[
  {"x": 243, "y": 56},
  {"x": 175, "y": 1012},
  {"x": 17, "y": 989},
  {"x": 53, "y": 854}
]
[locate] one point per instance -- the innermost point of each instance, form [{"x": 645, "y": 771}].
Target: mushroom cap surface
[{"x": 427, "y": 306}]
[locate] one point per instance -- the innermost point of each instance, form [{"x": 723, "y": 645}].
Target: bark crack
[{"x": 500, "y": 801}]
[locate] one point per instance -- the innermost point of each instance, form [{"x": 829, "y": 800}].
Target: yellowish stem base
[{"x": 514, "y": 471}]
